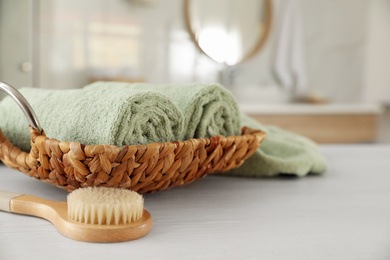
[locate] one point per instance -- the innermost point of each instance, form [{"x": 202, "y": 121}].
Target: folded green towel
[
  {"x": 208, "y": 109},
  {"x": 94, "y": 117},
  {"x": 281, "y": 152}
]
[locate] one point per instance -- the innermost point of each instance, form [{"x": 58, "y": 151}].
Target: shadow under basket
[{"x": 142, "y": 168}]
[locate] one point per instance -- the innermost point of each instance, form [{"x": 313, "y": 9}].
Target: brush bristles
[{"x": 101, "y": 205}]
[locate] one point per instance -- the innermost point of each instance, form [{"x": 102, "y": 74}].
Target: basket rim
[{"x": 245, "y": 131}]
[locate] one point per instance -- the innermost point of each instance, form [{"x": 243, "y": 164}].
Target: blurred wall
[
  {"x": 377, "y": 81},
  {"x": 15, "y": 42},
  {"x": 79, "y": 41},
  {"x": 335, "y": 41}
]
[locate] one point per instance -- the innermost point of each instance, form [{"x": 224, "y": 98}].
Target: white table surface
[{"x": 344, "y": 214}]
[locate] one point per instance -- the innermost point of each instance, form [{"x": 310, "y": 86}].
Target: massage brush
[{"x": 94, "y": 214}]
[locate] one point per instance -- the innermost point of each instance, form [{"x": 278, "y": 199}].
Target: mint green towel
[
  {"x": 94, "y": 117},
  {"x": 281, "y": 152},
  {"x": 208, "y": 109}
]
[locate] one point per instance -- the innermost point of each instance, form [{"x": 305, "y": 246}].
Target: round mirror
[{"x": 228, "y": 31}]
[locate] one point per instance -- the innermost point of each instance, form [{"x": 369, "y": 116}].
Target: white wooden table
[{"x": 344, "y": 214}]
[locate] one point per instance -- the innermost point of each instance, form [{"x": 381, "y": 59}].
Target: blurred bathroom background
[{"x": 319, "y": 68}]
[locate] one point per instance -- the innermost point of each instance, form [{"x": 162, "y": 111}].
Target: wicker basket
[{"x": 142, "y": 168}]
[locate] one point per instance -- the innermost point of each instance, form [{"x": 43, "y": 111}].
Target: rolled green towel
[
  {"x": 94, "y": 117},
  {"x": 208, "y": 109},
  {"x": 281, "y": 152}
]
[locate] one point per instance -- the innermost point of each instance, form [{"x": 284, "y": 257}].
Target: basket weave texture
[{"x": 142, "y": 168}]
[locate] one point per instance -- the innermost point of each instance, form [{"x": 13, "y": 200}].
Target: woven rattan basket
[{"x": 142, "y": 168}]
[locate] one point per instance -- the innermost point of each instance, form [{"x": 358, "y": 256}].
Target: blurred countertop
[{"x": 323, "y": 109}]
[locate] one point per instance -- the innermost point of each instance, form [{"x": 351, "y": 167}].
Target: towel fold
[
  {"x": 281, "y": 152},
  {"x": 94, "y": 117},
  {"x": 208, "y": 109}
]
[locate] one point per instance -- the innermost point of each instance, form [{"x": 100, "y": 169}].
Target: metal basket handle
[{"x": 23, "y": 104}]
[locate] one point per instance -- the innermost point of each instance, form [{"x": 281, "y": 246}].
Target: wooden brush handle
[
  {"x": 31, "y": 205},
  {"x": 39, "y": 207},
  {"x": 6, "y": 198}
]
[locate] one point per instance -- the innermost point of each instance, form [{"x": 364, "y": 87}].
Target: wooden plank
[{"x": 332, "y": 128}]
